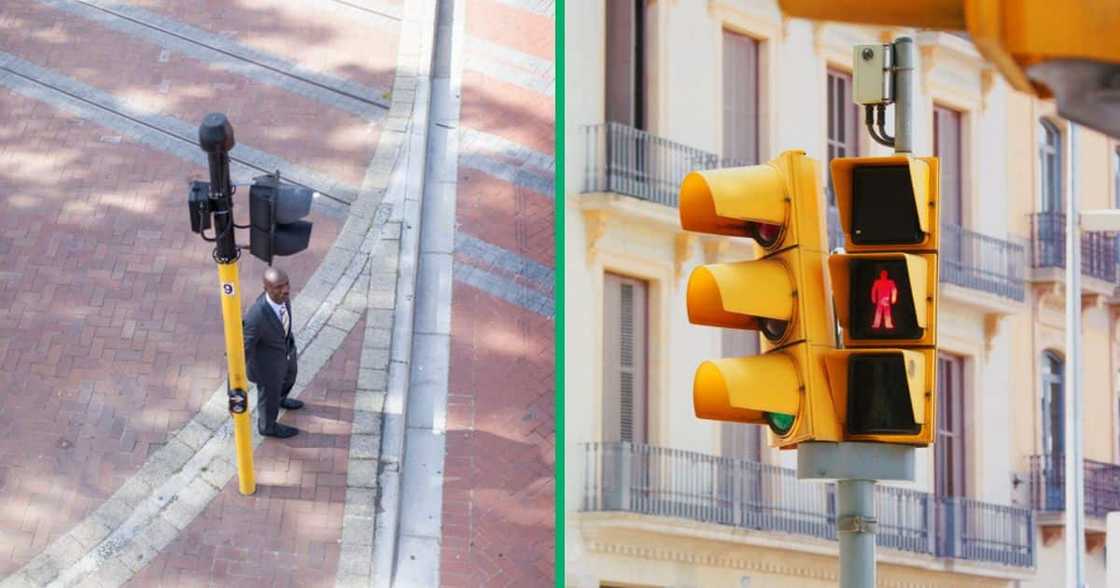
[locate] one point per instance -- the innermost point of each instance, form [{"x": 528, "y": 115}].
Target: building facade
[{"x": 657, "y": 497}]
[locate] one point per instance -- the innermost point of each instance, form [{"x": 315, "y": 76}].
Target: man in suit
[{"x": 270, "y": 353}]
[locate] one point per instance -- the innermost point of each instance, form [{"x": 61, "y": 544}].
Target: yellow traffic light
[
  {"x": 784, "y": 295},
  {"x": 884, "y": 381}
]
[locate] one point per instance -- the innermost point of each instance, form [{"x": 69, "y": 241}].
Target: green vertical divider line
[{"x": 558, "y": 234}]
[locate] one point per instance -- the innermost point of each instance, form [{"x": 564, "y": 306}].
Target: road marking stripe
[
  {"x": 540, "y": 276},
  {"x": 505, "y": 289}
]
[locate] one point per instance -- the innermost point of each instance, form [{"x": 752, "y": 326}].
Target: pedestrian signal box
[{"x": 885, "y": 288}]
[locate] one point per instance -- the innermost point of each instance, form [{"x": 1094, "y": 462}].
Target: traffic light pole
[
  {"x": 1074, "y": 468},
  {"x": 857, "y": 466},
  {"x": 215, "y": 136}
]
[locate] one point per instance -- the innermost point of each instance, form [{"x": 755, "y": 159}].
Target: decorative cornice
[
  {"x": 827, "y": 571},
  {"x": 692, "y": 558},
  {"x": 595, "y": 226}
]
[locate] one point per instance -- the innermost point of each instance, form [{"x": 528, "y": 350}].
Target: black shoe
[
  {"x": 291, "y": 403},
  {"x": 279, "y": 431}
]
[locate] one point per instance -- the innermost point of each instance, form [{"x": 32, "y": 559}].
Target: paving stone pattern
[
  {"x": 286, "y": 534},
  {"x": 498, "y": 478},
  {"x": 110, "y": 326}
]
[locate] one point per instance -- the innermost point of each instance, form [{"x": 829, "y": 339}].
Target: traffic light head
[
  {"x": 784, "y": 295},
  {"x": 775, "y": 203},
  {"x": 198, "y": 202},
  {"x": 786, "y": 390},
  {"x": 275, "y": 210},
  {"x": 884, "y": 380},
  {"x": 215, "y": 134},
  {"x": 887, "y": 202}
]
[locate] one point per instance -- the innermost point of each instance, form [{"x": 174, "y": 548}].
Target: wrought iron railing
[
  {"x": 1098, "y": 250},
  {"x": 968, "y": 259},
  {"x": 665, "y": 482},
  {"x": 982, "y": 262},
  {"x": 1102, "y": 485},
  {"x": 625, "y": 160}
]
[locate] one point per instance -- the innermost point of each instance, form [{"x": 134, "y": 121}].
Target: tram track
[
  {"x": 148, "y": 123},
  {"x": 245, "y": 55}
]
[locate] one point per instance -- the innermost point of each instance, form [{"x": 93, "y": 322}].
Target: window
[
  {"x": 843, "y": 121},
  {"x": 740, "y": 98},
  {"x": 1050, "y": 166},
  {"x": 947, "y": 146},
  {"x": 1053, "y": 426},
  {"x": 949, "y": 443},
  {"x": 740, "y": 440},
  {"x": 625, "y": 68},
  {"x": 625, "y": 311}
]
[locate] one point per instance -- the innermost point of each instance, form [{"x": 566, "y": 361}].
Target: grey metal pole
[
  {"x": 856, "y": 521},
  {"x": 1074, "y": 459},
  {"x": 905, "y": 59},
  {"x": 856, "y": 526}
]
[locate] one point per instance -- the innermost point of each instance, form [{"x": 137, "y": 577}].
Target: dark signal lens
[
  {"x": 765, "y": 234},
  {"x": 879, "y": 396},
  {"x": 883, "y": 208}
]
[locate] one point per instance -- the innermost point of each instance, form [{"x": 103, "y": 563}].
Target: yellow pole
[{"x": 235, "y": 357}]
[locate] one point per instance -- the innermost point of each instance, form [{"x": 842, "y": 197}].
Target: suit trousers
[{"x": 271, "y": 394}]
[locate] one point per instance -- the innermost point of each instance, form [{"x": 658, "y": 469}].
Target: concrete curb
[
  {"x": 419, "y": 18},
  {"x": 419, "y": 534},
  {"x": 368, "y": 526}
]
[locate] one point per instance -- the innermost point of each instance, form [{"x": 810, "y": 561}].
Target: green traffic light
[{"x": 779, "y": 423}]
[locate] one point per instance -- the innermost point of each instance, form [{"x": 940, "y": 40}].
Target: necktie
[{"x": 284, "y": 320}]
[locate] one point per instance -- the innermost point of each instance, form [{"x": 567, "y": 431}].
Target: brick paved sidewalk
[
  {"x": 109, "y": 317},
  {"x": 498, "y": 482}
]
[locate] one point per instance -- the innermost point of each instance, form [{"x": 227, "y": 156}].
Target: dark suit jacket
[{"x": 267, "y": 346}]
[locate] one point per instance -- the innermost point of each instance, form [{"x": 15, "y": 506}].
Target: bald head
[{"x": 276, "y": 285}]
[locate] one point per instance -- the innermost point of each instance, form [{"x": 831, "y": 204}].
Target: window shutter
[
  {"x": 624, "y": 360},
  {"x": 949, "y": 444},
  {"x": 947, "y": 146},
  {"x": 740, "y": 98},
  {"x": 843, "y": 122},
  {"x": 621, "y": 58}
]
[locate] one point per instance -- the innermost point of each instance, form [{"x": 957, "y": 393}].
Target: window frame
[
  {"x": 950, "y": 437},
  {"x": 1050, "y": 191}
]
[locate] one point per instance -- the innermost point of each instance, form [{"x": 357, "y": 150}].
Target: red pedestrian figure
[{"x": 884, "y": 294}]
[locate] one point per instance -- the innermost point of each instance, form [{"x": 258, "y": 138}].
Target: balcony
[
  {"x": 1048, "y": 253},
  {"x": 661, "y": 482},
  {"x": 968, "y": 259},
  {"x": 980, "y": 262},
  {"x": 1102, "y": 485},
  {"x": 632, "y": 162}
]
